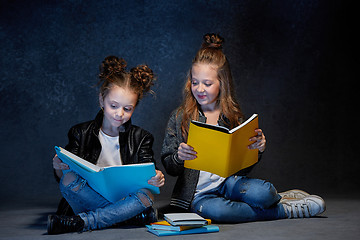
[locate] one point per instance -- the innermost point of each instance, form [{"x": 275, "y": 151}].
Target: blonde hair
[{"x": 211, "y": 53}]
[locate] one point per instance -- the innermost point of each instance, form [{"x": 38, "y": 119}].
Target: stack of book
[{"x": 181, "y": 224}]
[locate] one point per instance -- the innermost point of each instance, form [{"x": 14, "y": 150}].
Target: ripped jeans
[
  {"x": 96, "y": 211},
  {"x": 240, "y": 199}
]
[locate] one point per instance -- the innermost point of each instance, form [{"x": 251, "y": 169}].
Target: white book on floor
[{"x": 185, "y": 219}]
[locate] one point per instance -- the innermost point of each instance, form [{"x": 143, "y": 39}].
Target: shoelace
[
  {"x": 71, "y": 224},
  {"x": 299, "y": 210}
]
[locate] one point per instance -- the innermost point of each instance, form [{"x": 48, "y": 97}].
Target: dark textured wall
[{"x": 287, "y": 59}]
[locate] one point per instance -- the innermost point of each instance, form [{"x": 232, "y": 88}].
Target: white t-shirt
[
  {"x": 110, "y": 151},
  {"x": 207, "y": 181}
]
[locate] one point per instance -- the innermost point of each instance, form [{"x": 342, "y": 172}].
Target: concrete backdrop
[{"x": 290, "y": 61}]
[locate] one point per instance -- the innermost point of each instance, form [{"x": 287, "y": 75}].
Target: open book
[
  {"x": 113, "y": 183},
  {"x": 220, "y": 150}
]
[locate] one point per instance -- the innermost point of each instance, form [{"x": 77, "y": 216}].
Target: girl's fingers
[
  {"x": 258, "y": 145},
  {"x": 158, "y": 180},
  {"x": 58, "y": 164},
  {"x": 186, "y": 148},
  {"x": 186, "y": 152},
  {"x": 61, "y": 166},
  {"x": 259, "y": 138},
  {"x": 159, "y": 175},
  {"x": 157, "y": 184},
  {"x": 253, "y": 139},
  {"x": 185, "y": 156},
  {"x": 64, "y": 166}
]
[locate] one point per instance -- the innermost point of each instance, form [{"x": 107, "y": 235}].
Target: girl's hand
[
  {"x": 260, "y": 141},
  {"x": 158, "y": 180},
  {"x": 186, "y": 152},
  {"x": 58, "y": 164}
]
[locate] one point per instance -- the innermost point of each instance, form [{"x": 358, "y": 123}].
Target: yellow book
[{"x": 222, "y": 151}]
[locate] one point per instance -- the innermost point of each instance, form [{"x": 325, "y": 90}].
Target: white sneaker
[
  {"x": 308, "y": 206},
  {"x": 294, "y": 193}
]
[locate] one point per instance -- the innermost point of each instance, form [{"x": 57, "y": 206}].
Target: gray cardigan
[{"x": 187, "y": 180}]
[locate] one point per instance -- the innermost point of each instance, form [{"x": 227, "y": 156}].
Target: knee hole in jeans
[
  {"x": 145, "y": 197},
  {"x": 70, "y": 178}
]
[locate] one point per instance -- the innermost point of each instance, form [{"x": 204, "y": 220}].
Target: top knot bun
[
  {"x": 144, "y": 76},
  {"x": 112, "y": 65},
  {"x": 212, "y": 40}
]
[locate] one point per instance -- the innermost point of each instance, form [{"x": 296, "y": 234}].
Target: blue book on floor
[
  {"x": 113, "y": 183},
  {"x": 204, "y": 229}
]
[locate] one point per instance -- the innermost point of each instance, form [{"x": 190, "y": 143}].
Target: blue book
[
  {"x": 204, "y": 229},
  {"x": 113, "y": 183}
]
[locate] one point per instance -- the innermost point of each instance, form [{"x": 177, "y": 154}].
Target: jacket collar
[
  {"x": 222, "y": 121},
  {"x": 202, "y": 117}
]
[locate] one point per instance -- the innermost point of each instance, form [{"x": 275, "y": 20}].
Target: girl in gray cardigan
[{"x": 209, "y": 98}]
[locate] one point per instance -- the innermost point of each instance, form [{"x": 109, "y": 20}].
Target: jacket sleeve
[
  {"x": 74, "y": 136},
  {"x": 72, "y": 146},
  {"x": 169, "y": 158},
  {"x": 145, "y": 153}
]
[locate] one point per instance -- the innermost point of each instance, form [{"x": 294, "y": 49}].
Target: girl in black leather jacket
[{"x": 110, "y": 139}]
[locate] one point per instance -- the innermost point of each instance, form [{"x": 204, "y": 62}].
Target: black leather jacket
[{"x": 135, "y": 147}]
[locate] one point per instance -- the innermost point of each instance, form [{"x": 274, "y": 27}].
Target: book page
[
  {"x": 128, "y": 165},
  {"x": 244, "y": 123},
  {"x": 76, "y": 160},
  {"x": 210, "y": 126}
]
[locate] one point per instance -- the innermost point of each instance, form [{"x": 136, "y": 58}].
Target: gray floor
[{"x": 340, "y": 221}]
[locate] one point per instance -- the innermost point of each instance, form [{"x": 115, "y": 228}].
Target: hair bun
[
  {"x": 212, "y": 40},
  {"x": 112, "y": 65},
  {"x": 144, "y": 76}
]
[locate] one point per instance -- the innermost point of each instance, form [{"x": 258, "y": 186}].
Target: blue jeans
[
  {"x": 240, "y": 199},
  {"x": 96, "y": 211}
]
